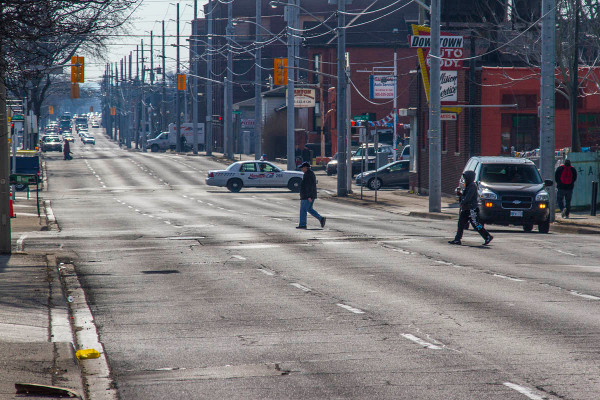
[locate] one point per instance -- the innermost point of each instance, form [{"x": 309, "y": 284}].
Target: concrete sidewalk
[
  {"x": 401, "y": 201},
  {"x": 36, "y": 342}
]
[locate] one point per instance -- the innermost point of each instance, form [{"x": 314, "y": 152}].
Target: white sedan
[{"x": 254, "y": 174}]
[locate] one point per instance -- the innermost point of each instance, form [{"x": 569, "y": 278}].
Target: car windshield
[
  {"x": 52, "y": 139},
  {"x": 510, "y": 173}
]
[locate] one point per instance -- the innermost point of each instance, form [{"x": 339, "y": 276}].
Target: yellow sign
[
  {"x": 281, "y": 71},
  {"x": 50, "y": 110},
  {"x": 181, "y": 82},
  {"x": 113, "y": 111}
]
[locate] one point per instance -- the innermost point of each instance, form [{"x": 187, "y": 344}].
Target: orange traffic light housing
[
  {"x": 280, "y": 74},
  {"x": 181, "y": 82},
  {"x": 77, "y": 69}
]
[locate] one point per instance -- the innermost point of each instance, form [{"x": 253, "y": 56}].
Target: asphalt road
[{"x": 201, "y": 293}]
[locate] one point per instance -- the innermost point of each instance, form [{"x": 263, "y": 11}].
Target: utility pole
[
  {"x": 151, "y": 108},
  {"x": 435, "y": 150},
  {"x": 208, "y": 137},
  {"x": 228, "y": 85},
  {"x": 575, "y": 143},
  {"x": 395, "y": 107},
  {"x": 291, "y": 18},
  {"x": 163, "y": 111},
  {"x": 144, "y": 109},
  {"x": 342, "y": 186},
  {"x": 129, "y": 97},
  {"x": 177, "y": 105},
  {"x": 257, "y": 84},
  {"x": 547, "y": 147},
  {"x": 5, "y": 244},
  {"x": 194, "y": 47}
]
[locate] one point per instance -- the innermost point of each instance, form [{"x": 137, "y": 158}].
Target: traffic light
[
  {"x": 181, "y": 82},
  {"x": 74, "y": 90},
  {"x": 50, "y": 110},
  {"x": 280, "y": 75},
  {"x": 77, "y": 70}
]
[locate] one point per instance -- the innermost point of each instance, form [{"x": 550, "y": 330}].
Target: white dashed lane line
[
  {"x": 350, "y": 308},
  {"x": 421, "y": 341},
  {"x": 524, "y": 391}
]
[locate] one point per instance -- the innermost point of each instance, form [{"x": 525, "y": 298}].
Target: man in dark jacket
[
  {"x": 67, "y": 150},
  {"x": 468, "y": 211},
  {"x": 565, "y": 177},
  {"x": 308, "y": 195}
]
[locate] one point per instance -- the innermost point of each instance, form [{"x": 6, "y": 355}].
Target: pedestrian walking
[
  {"x": 565, "y": 177},
  {"x": 308, "y": 195},
  {"x": 67, "y": 150},
  {"x": 468, "y": 211}
]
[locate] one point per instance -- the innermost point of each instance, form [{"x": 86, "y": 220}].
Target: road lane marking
[
  {"x": 20, "y": 242},
  {"x": 239, "y": 257},
  {"x": 167, "y": 222},
  {"x": 350, "y": 308},
  {"x": 523, "y": 390},
  {"x": 299, "y": 286},
  {"x": 253, "y": 246},
  {"x": 509, "y": 278},
  {"x": 421, "y": 341},
  {"x": 266, "y": 271},
  {"x": 566, "y": 252},
  {"x": 585, "y": 296}
]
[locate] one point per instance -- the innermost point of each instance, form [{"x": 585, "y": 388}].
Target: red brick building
[{"x": 504, "y": 129}]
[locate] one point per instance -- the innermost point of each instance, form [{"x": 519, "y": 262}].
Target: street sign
[
  {"x": 236, "y": 112},
  {"x": 362, "y": 118},
  {"x": 448, "y": 116},
  {"x": 18, "y": 117},
  {"x": 382, "y": 86},
  {"x": 303, "y": 98}
]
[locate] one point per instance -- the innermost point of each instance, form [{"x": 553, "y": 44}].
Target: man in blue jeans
[{"x": 308, "y": 195}]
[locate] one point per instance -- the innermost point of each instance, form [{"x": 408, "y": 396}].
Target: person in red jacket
[{"x": 565, "y": 177}]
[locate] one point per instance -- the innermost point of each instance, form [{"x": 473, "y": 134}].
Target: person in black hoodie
[
  {"x": 468, "y": 211},
  {"x": 565, "y": 177},
  {"x": 308, "y": 195}
]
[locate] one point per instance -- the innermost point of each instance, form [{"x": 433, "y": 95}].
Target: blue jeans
[{"x": 307, "y": 206}]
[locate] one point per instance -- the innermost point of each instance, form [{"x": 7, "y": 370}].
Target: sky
[{"x": 147, "y": 17}]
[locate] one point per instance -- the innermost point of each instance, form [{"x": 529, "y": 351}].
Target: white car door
[
  {"x": 271, "y": 175},
  {"x": 249, "y": 174}
]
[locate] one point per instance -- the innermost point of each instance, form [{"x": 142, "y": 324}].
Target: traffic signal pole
[
  {"x": 208, "y": 137},
  {"x": 257, "y": 85},
  {"x": 435, "y": 150}
]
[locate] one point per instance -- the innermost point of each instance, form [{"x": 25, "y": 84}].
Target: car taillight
[{"x": 211, "y": 175}]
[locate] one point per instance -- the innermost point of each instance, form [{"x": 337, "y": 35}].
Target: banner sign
[{"x": 382, "y": 86}]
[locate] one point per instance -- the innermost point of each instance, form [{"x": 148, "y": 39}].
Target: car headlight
[
  {"x": 488, "y": 194},
  {"x": 542, "y": 196}
]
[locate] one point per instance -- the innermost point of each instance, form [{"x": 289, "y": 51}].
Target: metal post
[
  {"x": 5, "y": 243},
  {"x": 342, "y": 187},
  {"x": 208, "y": 137},
  {"x": 258, "y": 85},
  {"x": 435, "y": 151},
  {"x": 472, "y": 97},
  {"x": 348, "y": 133},
  {"x": 594, "y": 198},
  {"x": 291, "y": 13},
  {"x": 129, "y": 120},
  {"x": 194, "y": 46},
  {"x": 547, "y": 150},
  {"x": 575, "y": 143},
  {"x": 395, "y": 105},
  {"x": 177, "y": 102},
  {"x": 163, "y": 111},
  {"x": 228, "y": 85}
]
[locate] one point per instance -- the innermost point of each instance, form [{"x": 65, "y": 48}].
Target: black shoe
[
  {"x": 301, "y": 227},
  {"x": 323, "y": 220},
  {"x": 488, "y": 240},
  {"x": 455, "y": 241}
]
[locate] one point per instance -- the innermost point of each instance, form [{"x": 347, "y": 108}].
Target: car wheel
[
  {"x": 374, "y": 184},
  {"x": 154, "y": 148},
  {"x": 294, "y": 184},
  {"x": 528, "y": 227},
  {"x": 234, "y": 185},
  {"x": 544, "y": 227}
]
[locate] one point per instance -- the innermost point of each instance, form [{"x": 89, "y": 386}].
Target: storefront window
[{"x": 520, "y": 132}]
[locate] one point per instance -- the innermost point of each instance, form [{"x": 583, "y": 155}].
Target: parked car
[
  {"x": 383, "y": 150},
  {"x": 392, "y": 174},
  {"x": 405, "y": 154},
  {"x": 254, "y": 174},
  {"x": 51, "y": 143},
  {"x": 511, "y": 192}
]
